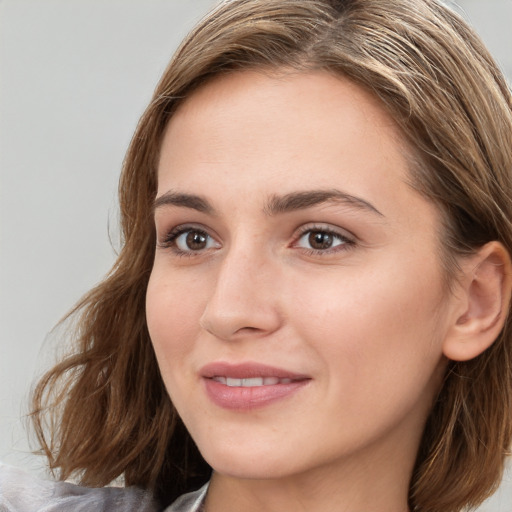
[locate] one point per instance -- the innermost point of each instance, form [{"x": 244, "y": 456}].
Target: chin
[{"x": 249, "y": 462}]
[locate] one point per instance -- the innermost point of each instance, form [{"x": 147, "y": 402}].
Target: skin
[{"x": 365, "y": 319}]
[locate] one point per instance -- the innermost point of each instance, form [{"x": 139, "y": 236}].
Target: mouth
[
  {"x": 249, "y": 385},
  {"x": 251, "y": 382}
]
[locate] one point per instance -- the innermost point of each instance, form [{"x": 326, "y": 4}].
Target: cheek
[
  {"x": 172, "y": 313},
  {"x": 377, "y": 327}
]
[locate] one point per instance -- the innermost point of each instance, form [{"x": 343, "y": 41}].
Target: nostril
[
  {"x": 248, "y": 330},
  {"x": 233, "y": 311}
]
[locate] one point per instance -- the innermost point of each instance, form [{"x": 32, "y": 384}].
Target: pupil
[
  {"x": 320, "y": 240},
  {"x": 196, "y": 240}
]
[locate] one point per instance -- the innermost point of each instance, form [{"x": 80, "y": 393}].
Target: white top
[{"x": 21, "y": 492}]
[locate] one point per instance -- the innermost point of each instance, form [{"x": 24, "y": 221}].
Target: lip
[{"x": 244, "y": 398}]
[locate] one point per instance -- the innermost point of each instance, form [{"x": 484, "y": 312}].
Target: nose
[{"x": 244, "y": 300}]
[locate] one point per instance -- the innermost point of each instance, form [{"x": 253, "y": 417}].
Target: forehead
[
  {"x": 252, "y": 98},
  {"x": 255, "y": 134}
]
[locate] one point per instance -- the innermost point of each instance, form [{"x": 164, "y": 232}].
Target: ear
[{"x": 483, "y": 301}]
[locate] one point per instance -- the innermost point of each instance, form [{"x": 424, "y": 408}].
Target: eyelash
[
  {"x": 346, "y": 243},
  {"x": 169, "y": 242}
]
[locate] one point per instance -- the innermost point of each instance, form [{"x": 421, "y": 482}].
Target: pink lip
[{"x": 243, "y": 398}]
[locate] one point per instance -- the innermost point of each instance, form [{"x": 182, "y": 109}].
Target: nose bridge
[{"x": 243, "y": 299}]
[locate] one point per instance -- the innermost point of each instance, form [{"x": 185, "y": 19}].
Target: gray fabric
[
  {"x": 21, "y": 492},
  {"x": 191, "y": 502}
]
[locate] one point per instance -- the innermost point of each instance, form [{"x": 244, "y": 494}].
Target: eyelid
[
  {"x": 168, "y": 237},
  {"x": 349, "y": 240},
  {"x": 329, "y": 228}
]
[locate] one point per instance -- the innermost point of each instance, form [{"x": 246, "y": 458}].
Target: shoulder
[
  {"x": 21, "y": 492},
  {"x": 190, "y": 502}
]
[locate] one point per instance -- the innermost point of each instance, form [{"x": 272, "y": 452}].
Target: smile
[
  {"x": 250, "y": 385},
  {"x": 251, "y": 382}
]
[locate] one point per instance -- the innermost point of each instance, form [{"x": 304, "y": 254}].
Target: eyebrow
[
  {"x": 301, "y": 200},
  {"x": 276, "y": 205},
  {"x": 185, "y": 200}
]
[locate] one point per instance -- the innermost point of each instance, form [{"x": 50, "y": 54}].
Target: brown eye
[
  {"x": 323, "y": 240},
  {"x": 193, "y": 240},
  {"x": 320, "y": 240}
]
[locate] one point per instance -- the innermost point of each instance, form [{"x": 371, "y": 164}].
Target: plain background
[{"x": 75, "y": 75}]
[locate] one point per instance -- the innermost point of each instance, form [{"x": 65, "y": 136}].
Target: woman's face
[{"x": 296, "y": 303}]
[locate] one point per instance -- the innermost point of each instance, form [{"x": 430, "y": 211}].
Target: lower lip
[{"x": 238, "y": 398}]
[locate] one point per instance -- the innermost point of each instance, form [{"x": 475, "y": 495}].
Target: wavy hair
[{"x": 103, "y": 411}]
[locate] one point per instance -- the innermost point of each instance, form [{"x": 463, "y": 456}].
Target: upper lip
[{"x": 247, "y": 371}]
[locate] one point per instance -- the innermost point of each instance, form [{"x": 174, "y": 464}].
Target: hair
[{"x": 103, "y": 411}]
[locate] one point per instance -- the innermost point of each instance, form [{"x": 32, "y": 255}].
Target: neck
[{"x": 381, "y": 483}]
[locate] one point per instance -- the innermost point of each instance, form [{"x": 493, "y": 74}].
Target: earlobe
[{"x": 486, "y": 291}]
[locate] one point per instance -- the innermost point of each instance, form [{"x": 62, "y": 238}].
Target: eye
[
  {"x": 189, "y": 240},
  {"x": 322, "y": 240}
]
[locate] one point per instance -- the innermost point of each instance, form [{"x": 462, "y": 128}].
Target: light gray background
[{"x": 75, "y": 75}]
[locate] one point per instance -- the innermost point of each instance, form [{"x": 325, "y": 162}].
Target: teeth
[{"x": 252, "y": 382}]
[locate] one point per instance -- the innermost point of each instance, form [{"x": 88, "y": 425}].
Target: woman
[{"x": 312, "y": 297}]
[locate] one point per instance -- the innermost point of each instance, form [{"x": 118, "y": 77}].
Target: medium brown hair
[{"x": 103, "y": 411}]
